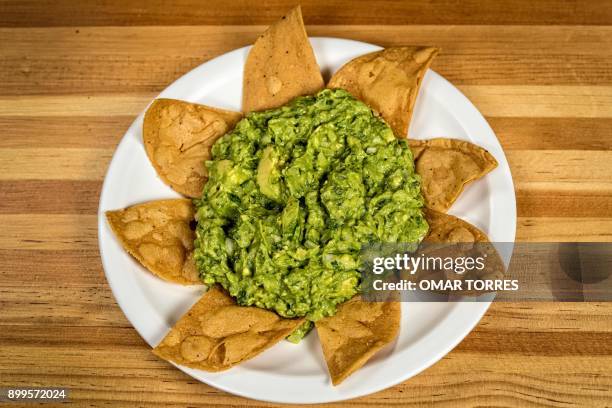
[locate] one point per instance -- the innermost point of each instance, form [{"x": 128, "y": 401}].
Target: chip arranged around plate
[{"x": 282, "y": 196}]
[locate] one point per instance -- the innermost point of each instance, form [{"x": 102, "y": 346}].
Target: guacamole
[{"x": 292, "y": 195}]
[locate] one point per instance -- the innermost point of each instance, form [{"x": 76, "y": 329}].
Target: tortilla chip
[
  {"x": 216, "y": 334},
  {"x": 280, "y": 66},
  {"x": 446, "y": 166},
  {"x": 178, "y": 137},
  {"x": 388, "y": 81},
  {"x": 355, "y": 333},
  {"x": 448, "y": 229},
  {"x": 159, "y": 236}
]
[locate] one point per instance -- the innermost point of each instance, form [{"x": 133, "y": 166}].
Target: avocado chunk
[{"x": 268, "y": 175}]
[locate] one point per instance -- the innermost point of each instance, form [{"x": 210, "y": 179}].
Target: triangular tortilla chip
[
  {"x": 355, "y": 333},
  {"x": 280, "y": 66},
  {"x": 388, "y": 81},
  {"x": 448, "y": 229},
  {"x": 216, "y": 334},
  {"x": 159, "y": 236},
  {"x": 446, "y": 166},
  {"x": 178, "y": 137}
]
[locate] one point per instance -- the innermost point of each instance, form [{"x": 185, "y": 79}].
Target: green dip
[{"x": 292, "y": 195}]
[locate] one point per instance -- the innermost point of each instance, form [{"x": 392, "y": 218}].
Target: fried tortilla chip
[
  {"x": 178, "y": 137},
  {"x": 280, "y": 66},
  {"x": 216, "y": 334},
  {"x": 355, "y": 333},
  {"x": 448, "y": 229},
  {"x": 388, "y": 81},
  {"x": 446, "y": 166},
  {"x": 159, "y": 236}
]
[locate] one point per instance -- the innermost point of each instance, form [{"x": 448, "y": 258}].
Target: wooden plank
[
  {"x": 119, "y": 59},
  {"x": 501, "y": 380},
  {"x": 92, "y": 293},
  {"x": 562, "y": 167},
  {"x": 52, "y": 268},
  {"x": 190, "y": 12},
  {"x": 560, "y": 321},
  {"x": 53, "y": 164},
  {"x": 206, "y": 41},
  {"x": 564, "y": 183},
  {"x": 563, "y": 133},
  {"x": 143, "y": 74},
  {"x": 74, "y": 105},
  {"x": 49, "y": 196},
  {"x": 63, "y": 305},
  {"x": 523, "y": 343},
  {"x": 514, "y": 133},
  {"x": 498, "y": 101},
  {"x": 201, "y": 41},
  {"x": 541, "y": 101},
  {"x": 548, "y": 183},
  {"x": 81, "y": 197},
  {"x": 548, "y": 317},
  {"x": 90, "y": 337},
  {"x": 65, "y": 132},
  {"x": 551, "y": 200},
  {"x": 562, "y": 229},
  {"x": 41, "y": 231}
]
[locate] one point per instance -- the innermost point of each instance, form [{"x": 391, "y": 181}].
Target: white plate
[{"x": 297, "y": 373}]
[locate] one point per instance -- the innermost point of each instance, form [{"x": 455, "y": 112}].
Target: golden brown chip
[
  {"x": 178, "y": 137},
  {"x": 388, "y": 81},
  {"x": 355, "y": 333},
  {"x": 446, "y": 166},
  {"x": 448, "y": 229},
  {"x": 159, "y": 236},
  {"x": 216, "y": 334},
  {"x": 280, "y": 66}
]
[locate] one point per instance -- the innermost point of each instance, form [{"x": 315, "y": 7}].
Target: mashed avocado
[{"x": 292, "y": 195}]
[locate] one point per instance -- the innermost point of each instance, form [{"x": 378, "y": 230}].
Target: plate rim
[{"x": 459, "y": 333}]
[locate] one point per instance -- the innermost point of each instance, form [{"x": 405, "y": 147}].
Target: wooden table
[{"x": 73, "y": 76}]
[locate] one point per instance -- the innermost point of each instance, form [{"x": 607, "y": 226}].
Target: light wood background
[{"x": 73, "y": 75}]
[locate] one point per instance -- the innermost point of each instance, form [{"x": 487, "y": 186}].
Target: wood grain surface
[{"x": 73, "y": 75}]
